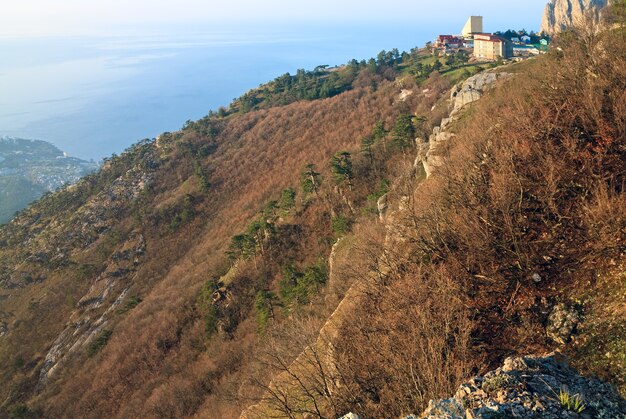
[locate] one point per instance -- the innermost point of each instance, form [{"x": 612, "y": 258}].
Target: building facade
[
  {"x": 473, "y": 26},
  {"x": 451, "y": 41},
  {"x": 492, "y": 47}
]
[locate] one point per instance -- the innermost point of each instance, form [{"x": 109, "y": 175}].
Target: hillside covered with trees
[{"x": 288, "y": 255}]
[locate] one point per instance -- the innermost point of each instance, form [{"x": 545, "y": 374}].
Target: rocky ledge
[
  {"x": 431, "y": 154},
  {"x": 531, "y": 387}
]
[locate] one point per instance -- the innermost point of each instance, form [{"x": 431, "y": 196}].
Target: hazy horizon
[
  {"x": 92, "y": 82},
  {"x": 93, "y": 96},
  {"x": 29, "y": 18}
]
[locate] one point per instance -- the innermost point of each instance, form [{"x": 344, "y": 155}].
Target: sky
[
  {"x": 33, "y": 18},
  {"x": 94, "y": 76}
]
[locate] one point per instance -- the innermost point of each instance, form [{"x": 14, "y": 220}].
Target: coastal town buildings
[
  {"x": 492, "y": 47},
  {"x": 486, "y": 46},
  {"x": 451, "y": 41}
]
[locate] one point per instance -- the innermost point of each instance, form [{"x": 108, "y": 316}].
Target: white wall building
[{"x": 474, "y": 25}]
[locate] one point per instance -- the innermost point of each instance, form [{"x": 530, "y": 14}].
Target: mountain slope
[
  {"x": 108, "y": 277},
  {"x": 512, "y": 246},
  {"x": 189, "y": 275}
]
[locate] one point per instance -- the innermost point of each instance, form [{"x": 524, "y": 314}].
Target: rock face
[
  {"x": 530, "y": 387},
  {"x": 430, "y": 153},
  {"x": 473, "y": 88},
  {"x": 93, "y": 311},
  {"x": 382, "y": 205},
  {"x": 561, "y": 14}
]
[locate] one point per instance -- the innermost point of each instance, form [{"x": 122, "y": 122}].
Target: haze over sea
[{"x": 94, "y": 96}]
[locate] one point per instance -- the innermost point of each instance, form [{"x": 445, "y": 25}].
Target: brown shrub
[{"x": 407, "y": 343}]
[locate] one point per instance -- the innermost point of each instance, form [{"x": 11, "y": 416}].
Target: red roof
[{"x": 442, "y": 39}]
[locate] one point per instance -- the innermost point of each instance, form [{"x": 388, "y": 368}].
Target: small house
[
  {"x": 525, "y": 39},
  {"x": 449, "y": 41},
  {"x": 524, "y": 50}
]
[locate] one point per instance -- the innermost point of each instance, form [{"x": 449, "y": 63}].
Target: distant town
[{"x": 489, "y": 46}]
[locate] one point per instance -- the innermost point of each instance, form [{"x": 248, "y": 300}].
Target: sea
[{"x": 94, "y": 96}]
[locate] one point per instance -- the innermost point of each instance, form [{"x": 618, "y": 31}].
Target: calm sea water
[{"x": 95, "y": 96}]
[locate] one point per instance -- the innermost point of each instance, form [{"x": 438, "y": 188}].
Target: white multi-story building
[{"x": 492, "y": 47}]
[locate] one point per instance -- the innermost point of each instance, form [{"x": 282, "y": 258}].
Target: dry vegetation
[
  {"x": 155, "y": 357},
  {"x": 533, "y": 187},
  {"x": 536, "y": 188},
  {"x": 528, "y": 211}
]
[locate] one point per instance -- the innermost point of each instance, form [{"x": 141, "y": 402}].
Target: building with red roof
[{"x": 450, "y": 41}]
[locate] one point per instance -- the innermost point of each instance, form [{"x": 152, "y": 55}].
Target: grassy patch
[
  {"x": 99, "y": 343},
  {"x": 572, "y": 402}
]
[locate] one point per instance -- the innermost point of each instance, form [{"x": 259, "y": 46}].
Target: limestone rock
[
  {"x": 431, "y": 154},
  {"x": 474, "y": 88},
  {"x": 432, "y": 163},
  {"x": 561, "y": 14},
  {"x": 382, "y": 206},
  {"x": 450, "y": 408},
  {"x": 528, "y": 387},
  {"x": 404, "y": 94},
  {"x": 562, "y": 323}
]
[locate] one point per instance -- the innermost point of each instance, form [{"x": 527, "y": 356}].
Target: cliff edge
[{"x": 561, "y": 14}]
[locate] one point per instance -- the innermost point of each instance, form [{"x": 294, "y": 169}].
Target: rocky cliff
[
  {"x": 430, "y": 153},
  {"x": 530, "y": 387},
  {"x": 560, "y": 14}
]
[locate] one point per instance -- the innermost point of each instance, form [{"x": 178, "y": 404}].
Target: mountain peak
[{"x": 561, "y": 14}]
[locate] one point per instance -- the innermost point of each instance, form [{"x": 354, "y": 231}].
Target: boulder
[
  {"x": 529, "y": 387},
  {"x": 474, "y": 88},
  {"x": 562, "y": 323}
]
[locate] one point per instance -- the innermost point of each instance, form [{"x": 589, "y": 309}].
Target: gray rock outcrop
[
  {"x": 431, "y": 153},
  {"x": 562, "y": 323},
  {"x": 473, "y": 88},
  {"x": 381, "y": 205},
  {"x": 562, "y": 14},
  {"x": 531, "y": 387}
]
